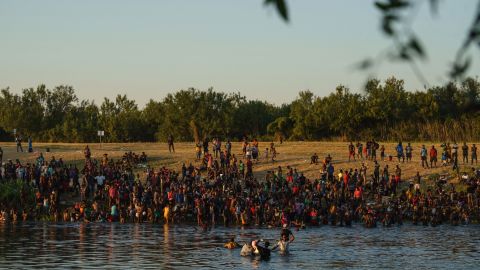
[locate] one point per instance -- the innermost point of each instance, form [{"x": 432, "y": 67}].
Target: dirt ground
[{"x": 294, "y": 154}]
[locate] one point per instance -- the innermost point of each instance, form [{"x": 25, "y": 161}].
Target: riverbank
[
  {"x": 295, "y": 154},
  {"x": 233, "y": 189}
]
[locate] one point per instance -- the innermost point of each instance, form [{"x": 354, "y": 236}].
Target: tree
[
  {"x": 385, "y": 111},
  {"x": 301, "y": 112}
]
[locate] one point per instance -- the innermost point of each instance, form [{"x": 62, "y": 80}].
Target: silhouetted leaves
[
  {"x": 365, "y": 64},
  {"x": 391, "y": 5},
  {"x": 281, "y": 6},
  {"x": 474, "y": 32},
  {"x": 412, "y": 48},
  {"x": 387, "y": 24},
  {"x": 459, "y": 68},
  {"x": 397, "y": 4},
  {"x": 415, "y": 46},
  {"x": 382, "y": 6},
  {"x": 405, "y": 54}
]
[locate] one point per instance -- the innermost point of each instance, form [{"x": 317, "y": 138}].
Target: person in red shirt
[
  {"x": 357, "y": 194},
  {"x": 351, "y": 151},
  {"x": 346, "y": 179},
  {"x": 295, "y": 190},
  {"x": 433, "y": 156}
]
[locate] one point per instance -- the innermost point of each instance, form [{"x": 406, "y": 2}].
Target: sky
[{"x": 149, "y": 48}]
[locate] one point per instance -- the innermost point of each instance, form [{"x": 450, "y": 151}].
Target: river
[{"x": 133, "y": 246}]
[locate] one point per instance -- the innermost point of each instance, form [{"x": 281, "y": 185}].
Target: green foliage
[
  {"x": 281, "y": 127},
  {"x": 193, "y": 114},
  {"x": 12, "y": 192},
  {"x": 384, "y": 111}
]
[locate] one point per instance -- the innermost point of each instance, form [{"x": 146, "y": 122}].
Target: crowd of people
[
  {"x": 449, "y": 155},
  {"x": 223, "y": 190}
]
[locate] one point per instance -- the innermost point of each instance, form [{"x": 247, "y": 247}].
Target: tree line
[{"x": 383, "y": 111}]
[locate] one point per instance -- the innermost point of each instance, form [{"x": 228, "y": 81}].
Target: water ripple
[{"x": 146, "y": 246}]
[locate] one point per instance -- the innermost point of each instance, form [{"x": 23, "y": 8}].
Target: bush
[{"x": 11, "y": 194}]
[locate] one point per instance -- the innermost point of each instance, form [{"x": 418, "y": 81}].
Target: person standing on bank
[
  {"x": 171, "y": 147},
  {"x": 473, "y": 153},
  {"x": 18, "y": 140},
  {"x": 465, "y": 152},
  {"x": 30, "y": 146}
]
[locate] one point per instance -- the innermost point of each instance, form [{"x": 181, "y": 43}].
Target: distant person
[
  {"x": 314, "y": 159},
  {"x": 433, "y": 156},
  {"x": 274, "y": 154},
  {"x": 282, "y": 244},
  {"x": 398, "y": 175},
  {"x": 400, "y": 154},
  {"x": 231, "y": 244},
  {"x": 455, "y": 163},
  {"x": 454, "y": 151},
  {"x": 30, "y": 147},
  {"x": 143, "y": 158},
  {"x": 1, "y": 155},
  {"x": 286, "y": 233},
  {"x": 217, "y": 147},
  {"x": 171, "y": 147},
  {"x": 408, "y": 152},
  {"x": 465, "y": 152},
  {"x": 18, "y": 140},
  {"x": 351, "y": 151},
  {"x": 198, "y": 150},
  {"x": 375, "y": 147},
  {"x": 473, "y": 153},
  {"x": 205, "y": 146},
  {"x": 359, "y": 150},
  {"x": 87, "y": 153},
  {"x": 255, "y": 153},
  {"x": 423, "y": 156},
  {"x": 376, "y": 172},
  {"x": 228, "y": 146},
  {"x": 382, "y": 152}
]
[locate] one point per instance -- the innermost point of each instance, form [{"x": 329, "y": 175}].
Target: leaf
[
  {"x": 459, "y": 69},
  {"x": 365, "y": 64},
  {"x": 404, "y": 54},
  {"x": 397, "y": 4},
  {"x": 282, "y": 8},
  {"x": 474, "y": 34},
  {"x": 392, "y": 17},
  {"x": 382, "y": 6},
  {"x": 415, "y": 45},
  {"x": 387, "y": 26}
]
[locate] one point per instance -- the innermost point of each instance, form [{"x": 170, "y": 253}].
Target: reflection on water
[{"x": 126, "y": 246}]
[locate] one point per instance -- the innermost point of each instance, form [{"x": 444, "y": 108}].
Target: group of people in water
[
  {"x": 256, "y": 248},
  {"x": 223, "y": 191}
]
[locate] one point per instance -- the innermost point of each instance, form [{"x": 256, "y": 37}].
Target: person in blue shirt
[
  {"x": 30, "y": 147},
  {"x": 423, "y": 155},
  {"x": 408, "y": 152},
  {"x": 400, "y": 154}
]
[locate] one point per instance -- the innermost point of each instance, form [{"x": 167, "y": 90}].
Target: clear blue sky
[{"x": 146, "y": 49}]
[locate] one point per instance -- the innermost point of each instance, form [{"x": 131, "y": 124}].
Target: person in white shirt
[
  {"x": 100, "y": 181},
  {"x": 282, "y": 244}
]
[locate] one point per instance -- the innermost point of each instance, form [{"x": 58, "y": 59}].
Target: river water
[{"x": 133, "y": 246}]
